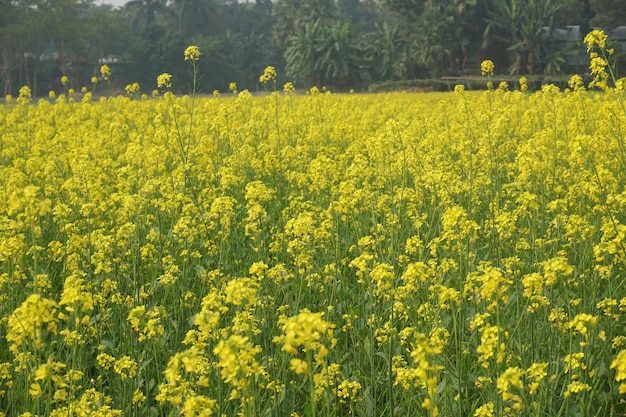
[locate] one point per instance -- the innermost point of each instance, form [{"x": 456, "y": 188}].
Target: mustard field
[{"x": 299, "y": 255}]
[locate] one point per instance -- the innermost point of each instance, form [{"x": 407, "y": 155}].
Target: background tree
[
  {"x": 439, "y": 34},
  {"x": 608, "y": 14},
  {"x": 520, "y": 26},
  {"x": 11, "y": 24},
  {"x": 291, "y": 16},
  {"x": 572, "y": 12},
  {"x": 410, "y": 9},
  {"x": 443, "y": 38},
  {"x": 144, "y": 13},
  {"x": 364, "y": 15},
  {"x": 301, "y": 57},
  {"x": 196, "y": 17},
  {"x": 153, "y": 52},
  {"x": 340, "y": 43},
  {"x": 342, "y": 58},
  {"x": 250, "y": 45},
  {"x": 50, "y": 47},
  {"x": 325, "y": 55},
  {"x": 384, "y": 48}
]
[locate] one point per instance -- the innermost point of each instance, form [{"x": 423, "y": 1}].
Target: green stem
[{"x": 313, "y": 403}]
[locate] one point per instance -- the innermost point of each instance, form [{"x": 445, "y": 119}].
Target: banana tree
[
  {"x": 520, "y": 24},
  {"x": 384, "y": 48},
  {"x": 330, "y": 55}
]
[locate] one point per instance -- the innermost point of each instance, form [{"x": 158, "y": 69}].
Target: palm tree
[
  {"x": 520, "y": 24},
  {"x": 144, "y": 13},
  {"x": 195, "y": 16},
  {"x": 384, "y": 49},
  {"x": 438, "y": 34},
  {"x": 293, "y": 15},
  {"x": 301, "y": 55},
  {"x": 325, "y": 54}
]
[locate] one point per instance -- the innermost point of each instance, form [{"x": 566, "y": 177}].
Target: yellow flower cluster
[
  {"x": 306, "y": 332},
  {"x": 105, "y": 72},
  {"x": 192, "y": 53},
  {"x": 147, "y": 324},
  {"x": 595, "y": 38},
  {"x": 132, "y": 89},
  {"x": 25, "y": 95},
  {"x": 29, "y": 322},
  {"x": 487, "y": 67},
  {"x": 289, "y": 88},
  {"x": 619, "y": 364},
  {"x": 326, "y": 254},
  {"x": 269, "y": 74},
  {"x": 164, "y": 81}
]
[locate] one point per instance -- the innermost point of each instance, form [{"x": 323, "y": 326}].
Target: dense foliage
[{"x": 339, "y": 43}]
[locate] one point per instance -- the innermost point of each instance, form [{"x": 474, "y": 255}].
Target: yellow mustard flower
[
  {"x": 24, "y": 95},
  {"x": 132, "y": 89},
  {"x": 288, "y": 88},
  {"x": 619, "y": 364},
  {"x": 192, "y": 53},
  {"x": 269, "y": 74},
  {"x": 105, "y": 72},
  {"x": 125, "y": 367},
  {"x": 298, "y": 366},
  {"x": 28, "y": 322},
  {"x": 308, "y": 332},
  {"x": 595, "y": 38},
  {"x": 164, "y": 81},
  {"x": 487, "y": 67},
  {"x": 523, "y": 84},
  {"x": 485, "y": 410}
]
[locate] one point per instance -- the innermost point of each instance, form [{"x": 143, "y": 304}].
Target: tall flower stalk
[
  {"x": 105, "y": 72},
  {"x": 192, "y": 54},
  {"x": 269, "y": 76}
]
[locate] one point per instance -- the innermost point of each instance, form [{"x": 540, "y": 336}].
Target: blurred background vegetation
[{"x": 341, "y": 44}]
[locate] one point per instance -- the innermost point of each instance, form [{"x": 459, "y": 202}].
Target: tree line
[{"x": 341, "y": 44}]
